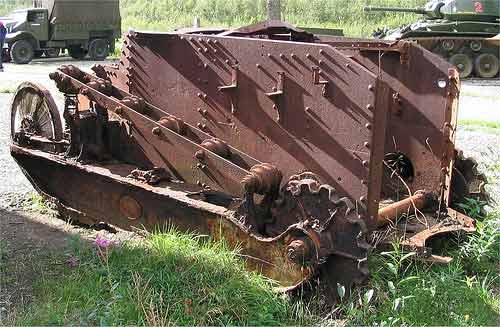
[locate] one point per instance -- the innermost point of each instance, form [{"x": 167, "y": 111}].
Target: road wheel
[
  {"x": 486, "y": 65},
  {"x": 77, "y": 52},
  {"x": 52, "y": 52},
  {"x": 448, "y": 45},
  {"x": 98, "y": 49},
  {"x": 22, "y": 52},
  {"x": 463, "y": 63}
]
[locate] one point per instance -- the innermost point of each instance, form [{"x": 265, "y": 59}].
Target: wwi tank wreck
[{"x": 297, "y": 148}]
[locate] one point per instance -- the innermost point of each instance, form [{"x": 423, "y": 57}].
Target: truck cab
[
  {"x": 53, "y": 25},
  {"x": 27, "y": 29},
  {"x": 34, "y": 22}
]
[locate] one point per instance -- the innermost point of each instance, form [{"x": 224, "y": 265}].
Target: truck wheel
[
  {"x": 98, "y": 49},
  {"x": 52, "y": 52},
  {"x": 77, "y": 53},
  {"x": 486, "y": 65},
  {"x": 463, "y": 63},
  {"x": 22, "y": 52}
]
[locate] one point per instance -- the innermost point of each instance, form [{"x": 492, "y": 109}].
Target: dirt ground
[{"x": 33, "y": 243}]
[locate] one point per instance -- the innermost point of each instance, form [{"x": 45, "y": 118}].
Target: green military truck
[{"x": 82, "y": 27}]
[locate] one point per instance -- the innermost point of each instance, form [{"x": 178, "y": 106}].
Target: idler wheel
[
  {"x": 263, "y": 178},
  {"x": 101, "y": 86},
  {"x": 486, "y": 65},
  {"x": 33, "y": 111},
  {"x": 134, "y": 103},
  {"x": 463, "y": 63},
  {"x": 174, "y": 124},
  {"x": 73, "y": 71},
  {"x": 218, "y": 147}
]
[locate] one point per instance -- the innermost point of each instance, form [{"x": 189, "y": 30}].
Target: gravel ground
[{"x": 14, "y": 182}]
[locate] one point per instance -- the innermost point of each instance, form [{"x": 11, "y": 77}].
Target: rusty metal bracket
[
  {"x": 317, "y": 81},
  {"x": 277, "y": 93},
  {"x": 234, "y": 80},
  {"x": 232, "y": 87}
]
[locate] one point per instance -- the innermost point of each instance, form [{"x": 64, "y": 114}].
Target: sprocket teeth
[
  {"x": 340, "y": 223},
  {"x": 476, "y": 181}
]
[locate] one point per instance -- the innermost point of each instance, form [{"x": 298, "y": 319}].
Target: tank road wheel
[
  {"x": 52, "y": 52},
  {"x": 463, "y": 63},
  {"x": 476, "y": 46},
  {"x": 77, "y": 52},
  {"x": 486, "y": 65},
  {"x": 98, "y": 49},
  {"x": 22, "y": 52},
  {"x": 34, "y": 112},
  {"x": 448, "y": 45}
]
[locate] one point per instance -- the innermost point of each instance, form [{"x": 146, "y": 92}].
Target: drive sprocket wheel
[
  {"x": 467, "y": 181},
  {"x": 344, "y": 249}
]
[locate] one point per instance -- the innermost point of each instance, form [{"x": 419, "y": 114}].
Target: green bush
[{"x": 165, "y": 15}]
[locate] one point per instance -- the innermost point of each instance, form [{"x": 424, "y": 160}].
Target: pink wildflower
[
  {"x": 72, "y": 262},
  {"x": 102, "y": 242}
]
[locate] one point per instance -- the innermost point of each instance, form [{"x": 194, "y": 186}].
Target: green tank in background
[
  {"x": 82, "y": 27},
  {"x": 462, "y": 31}
]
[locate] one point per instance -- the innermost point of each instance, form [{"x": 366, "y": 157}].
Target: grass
[
  {"x": 480, "y": 123},
  {"x": 163, "y": 15},
  {"x": 491, "y": 127},
  {"x": 463, "y": 293},
  {"x": 170, "y": 279},
  {"x": 7, "y": 90},
  {"x": 183, "y": 279},
  {"x": 477, "y": 94}
]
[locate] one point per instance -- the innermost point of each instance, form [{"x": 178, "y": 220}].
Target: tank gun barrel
[{"x": 394, "y": 9}]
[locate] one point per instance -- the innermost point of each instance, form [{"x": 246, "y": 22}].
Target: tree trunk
[{"x": 274, "y": 9}]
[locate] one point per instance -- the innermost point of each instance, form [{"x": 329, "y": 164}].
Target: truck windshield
[{"x": 18, "y": 15}]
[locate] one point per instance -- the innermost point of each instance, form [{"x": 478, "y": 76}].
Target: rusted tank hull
[
  {"x": 104, "y": 194},
  {"x": 280, "y": 142}
]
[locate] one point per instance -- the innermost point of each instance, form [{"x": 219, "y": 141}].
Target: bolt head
[{"x": 297, "y": 251}]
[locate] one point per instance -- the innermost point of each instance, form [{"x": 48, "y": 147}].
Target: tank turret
[{"x": 455, "y": 10}]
